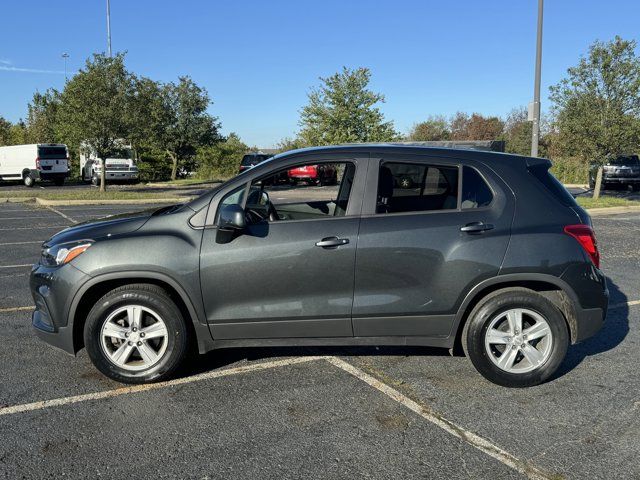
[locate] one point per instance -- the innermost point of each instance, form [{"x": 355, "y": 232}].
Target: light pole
[
  {"x": 109, "y": 28},
  {"x": 535, "y": 134},
  {"x": 65, "y": 55}
]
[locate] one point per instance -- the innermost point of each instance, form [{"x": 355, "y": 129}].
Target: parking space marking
[
  {"x": 448, "y": 426},
  {"x": 26, "y": 217},
  {"x": 15, "y": 309},
  {"x": 17, "y": 266},
  {"x": 35, "y": 228},
  {"x": 28, "y": 407},
  {"x": 624, "y": 304},
  {"x": 67, "y": 217},
  {"x": 20, "y": 243}
]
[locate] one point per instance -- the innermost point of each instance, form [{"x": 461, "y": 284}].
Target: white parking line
[
  {"x": 35, "y": 228},
  {"x": 20, "y": 243},
  {"x": 67, "y": 217},
  {"x": 17, "y": 266},
  {"x": 28, "y": 407},
  {"x": 448, "y": 426},
  {"x": 624, "y": 304},
  {"x": 15, "y": 309}
]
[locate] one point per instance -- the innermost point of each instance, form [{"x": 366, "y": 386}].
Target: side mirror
[{"x": 231, "y": 218}]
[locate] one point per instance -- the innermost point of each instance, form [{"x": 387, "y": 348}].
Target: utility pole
[
  {"x": 535, "y": 134},
  {"x": 109, "y": 28},
  {"x": 65, "y": 55}
]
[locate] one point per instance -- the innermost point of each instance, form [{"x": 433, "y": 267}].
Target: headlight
[{"x": 63, "y": 253}]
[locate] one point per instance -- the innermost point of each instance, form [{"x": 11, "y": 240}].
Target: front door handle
[
  {"x": 332, "y": 242},
  {"x": 476, "y": 227}
]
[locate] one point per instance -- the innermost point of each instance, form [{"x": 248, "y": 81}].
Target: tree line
[{"x": 594, "y": 114}]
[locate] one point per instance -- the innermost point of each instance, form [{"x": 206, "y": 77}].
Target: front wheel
[
  {"x": 136, "y": 334},
  {"x": 516, "y": 338}
]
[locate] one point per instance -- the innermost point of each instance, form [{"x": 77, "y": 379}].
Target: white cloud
[
  {"x": 4, "y": 61},
  {"x": 8, "y": 68}
]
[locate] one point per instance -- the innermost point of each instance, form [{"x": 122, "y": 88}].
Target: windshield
[
  {"x": 253, "y": 159},
  {"x": 56, "y": 152},
  {"x": 122, "y": 153},
  {"x": 629, "y": 160}
]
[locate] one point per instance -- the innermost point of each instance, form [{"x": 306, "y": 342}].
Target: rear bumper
[
  {"x": 589, "y": 322},
  {"x": 45, "y": 175},
  {"x": 115, "y": 175}
]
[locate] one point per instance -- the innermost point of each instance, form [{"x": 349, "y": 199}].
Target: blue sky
[{"x": 259, "y": 59}]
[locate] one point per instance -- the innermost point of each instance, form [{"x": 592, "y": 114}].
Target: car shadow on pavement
[
  {"x": 611, "y": 335},
  {"x": 613, "y": 332}
]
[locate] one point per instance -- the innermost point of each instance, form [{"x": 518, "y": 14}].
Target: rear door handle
[
  {"x": 476, "y": 227},
  {"x": 332, "y": 242}
]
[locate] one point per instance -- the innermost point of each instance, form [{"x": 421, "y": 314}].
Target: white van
[{"x": 28, "y": 163}]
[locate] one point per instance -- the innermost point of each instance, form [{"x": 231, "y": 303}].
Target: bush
[
  {"x": 220, "y": 160},
  {"x": 570, "y": 170}
]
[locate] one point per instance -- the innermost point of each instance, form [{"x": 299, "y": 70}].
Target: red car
[{"x": 324, "y": 174}]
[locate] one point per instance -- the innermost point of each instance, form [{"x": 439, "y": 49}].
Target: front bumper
[
  {"x": 53, "y": 290},
  {"x": 628, "y": 180}
]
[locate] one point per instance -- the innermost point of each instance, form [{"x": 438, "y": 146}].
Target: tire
[
  {"x": 112, "y": 313},
  {"x": 592, "y": 183},
  {"x": 536, "y": 311},
  {"x": 28, "y": 180},
  {"x": 95, "y": 180}
]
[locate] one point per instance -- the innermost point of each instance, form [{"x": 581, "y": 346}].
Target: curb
[
  {"x": 600, "y": 212},
  {"x": 575, "y": 185},
  {"x": 16, "y": 199},
  {"x": 136, "y": 201}
]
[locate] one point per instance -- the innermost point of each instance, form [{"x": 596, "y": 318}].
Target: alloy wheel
[
  {"x": 134, "y": 337},
  {"x": 518, "y": 340}
]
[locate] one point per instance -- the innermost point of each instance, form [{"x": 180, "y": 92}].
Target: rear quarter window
[{"x": 552, "y": 185}]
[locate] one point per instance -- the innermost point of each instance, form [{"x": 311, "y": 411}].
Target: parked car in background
[
  {"x": 495, "y": 256},
  {"x": 623, "y": 170},
  {"x": 251, "y": 160},
  {"x": 29, "y": 163},
  {"x": 321, "y": 174},
  {"x": 121, "y": 166}
]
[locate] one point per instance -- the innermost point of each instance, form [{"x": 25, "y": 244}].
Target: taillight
[
  {"x": 37, "y": 163},
  {"x": 587, "y": 240}
]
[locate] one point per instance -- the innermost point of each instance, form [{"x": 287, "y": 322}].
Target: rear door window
[
  {"x": 416, "y": 187},
  {"x": 55, "y": 152}
]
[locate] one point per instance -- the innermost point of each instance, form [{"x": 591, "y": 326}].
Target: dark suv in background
[
  {"x": 484, "y": 251},
  {"x": 623, "y": 170}
]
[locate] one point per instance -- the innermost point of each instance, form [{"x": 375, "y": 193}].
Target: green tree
[
  {"x": 18, "y": 133},
  {"x": 95, "y": 107},
  {"x": 221, "y": 159},
  {"x": 287, "y": 144},
  {"x": 435, "y": 128},
  {"x": 5, "y": 131},
  {"x": 597, "y": 106},
  {"x": 41, "y": 118},
  {"x": 517, "y": 132},
  {"x": 182, "y": 125},
  {"x": 343, "y": 110}
]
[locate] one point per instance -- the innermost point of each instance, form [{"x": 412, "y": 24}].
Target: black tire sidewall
[
  {"x": 495, "y": 305},
  {"x": 170, "y": 314}
]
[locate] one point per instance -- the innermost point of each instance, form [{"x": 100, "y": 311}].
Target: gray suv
[{"x": 483, "y": 251}]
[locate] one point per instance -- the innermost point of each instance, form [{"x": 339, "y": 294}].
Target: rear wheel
[
  {"x": 28, "y": 180},
  {"x": 136, "y": 334},
  {"x": 95, "y": 180},
  {"x": 516, "y": 338}
]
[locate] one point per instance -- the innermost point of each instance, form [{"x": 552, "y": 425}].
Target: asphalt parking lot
[{"x": 317, "y": 413}]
